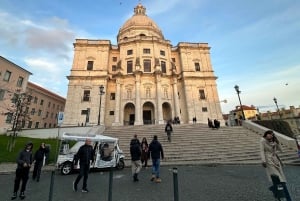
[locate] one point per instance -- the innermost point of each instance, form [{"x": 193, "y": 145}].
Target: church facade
[{"x": 143, "y": 79}]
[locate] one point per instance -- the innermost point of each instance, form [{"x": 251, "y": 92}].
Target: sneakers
[
  {"x": 14, "y": 196},
  {"x": 135, "y": 177},
  {"x": 22, "y": 195},
  {"x": 152, "y": 178},
  {"x": 157, "y": 180},
  {"x": 85, "y": 190},
  {"x": 74, "y": 187}
]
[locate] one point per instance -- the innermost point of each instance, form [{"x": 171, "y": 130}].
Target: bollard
[
  {"x": 175, "y": 184},
  {"x": 51, "y": 185},
  {"x": 110, "y": 184}
]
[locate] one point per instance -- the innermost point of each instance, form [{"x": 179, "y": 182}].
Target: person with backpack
[
  {"x": 169, "y": 130},
  {"x": 135, "y": 152}
]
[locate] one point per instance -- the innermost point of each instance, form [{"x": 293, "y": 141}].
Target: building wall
[
  {"x": 147, "y": 97},
  {"x": 8, "y": 87},
  {"x": 44, "y": 107}
]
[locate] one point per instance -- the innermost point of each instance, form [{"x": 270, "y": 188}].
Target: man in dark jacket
[
  {"x": 38, "y": 162},
  {"x": 156, "y": 152},
  {"x": 24, "y": 162},
  {"x": 169, "y": 130},
  {"x": 85, "y": 155},
  {"x": 135, "y": 152}
]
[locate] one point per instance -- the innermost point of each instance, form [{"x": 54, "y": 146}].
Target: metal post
[
  {"x": 237, "y": 89},
  {"x": 110, "y": 184},
  {"x": 51, "y": 185},
  {"x": 275, "y": 101},
  {"x": 101, "y": 88},
  {"x": 175, "y": 184}
]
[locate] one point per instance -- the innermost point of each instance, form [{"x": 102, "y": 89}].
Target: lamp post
[
  {"x": 101, "y": 88},
  {"x": 275, "y": 101},
  {"x": 237, "y": 89}
]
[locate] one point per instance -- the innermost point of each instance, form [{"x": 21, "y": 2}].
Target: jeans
[{"x": 155, "y": 167}]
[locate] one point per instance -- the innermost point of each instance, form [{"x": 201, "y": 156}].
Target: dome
[{"x": 139, "y": 24}]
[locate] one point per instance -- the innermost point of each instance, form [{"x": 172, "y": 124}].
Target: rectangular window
[
  {"x": 39, "y": 112},
  {"x": 111, "y": 112},
  {"x": 204, "y": 109},
  {"x": 7, "y": 75},
  {"x": 15, "y": 98},
  {"x": 20, "y": 81},
  {"x": 47, "y": 114},
  {"x": 90, "y": 65},
  {"x": 29, "y": 124},
  {"x": 50, "y": 125},
  {"x": 146, "y": 51},
  {"x": 45, "y": 125},
  {"x": 2, "y": 93},
  {"x": 49, "y": 104},
  {"x": 147, "y": 65},
  {"x": 9, "y": 117},
  {"x": 201, "y": 94},
  {"x": 129, "y": 52},
  {"x": 197, "y": 66},
  {"x": 114, "y": 59},
  {"x": 37, "y": 124},
  {"x": 163, "y": 67},
  {"x": 113, "y": 67},
  {"x": 86, "y": 95},
  {"x": 129, "y": 66},
  {"x": 32, "y": 111},
  {"x": 35, "y": 99},
  {"x": 53, "y": 106},
  {"x": 112, "y": 96},
  {"x": 23, "y": 124},
  {"x": 162, "y": 53},
  {"x": 42, "y": 102}
]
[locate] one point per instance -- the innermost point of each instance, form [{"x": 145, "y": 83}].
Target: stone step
[{"x": 198, "y": 144}]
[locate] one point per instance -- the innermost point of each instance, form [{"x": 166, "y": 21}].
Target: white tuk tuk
[{"x": 107, "y": 152}]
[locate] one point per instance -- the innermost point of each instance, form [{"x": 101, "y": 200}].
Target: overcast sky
[{"x": 254, "y": 44}]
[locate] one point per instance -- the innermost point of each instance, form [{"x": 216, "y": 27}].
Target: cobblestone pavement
[{"x": 195, "y": 183}]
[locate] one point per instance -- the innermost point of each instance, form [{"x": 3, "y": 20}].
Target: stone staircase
[{"x": 198, "y": 144}]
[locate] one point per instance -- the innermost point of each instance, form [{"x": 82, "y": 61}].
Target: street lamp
[
  {"x": 237, "y": 89},
  {"x": 101, "y": 88},
  {"x": 275, "y": 101}
]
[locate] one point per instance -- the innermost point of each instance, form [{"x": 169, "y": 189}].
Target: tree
[{"x": 17, "y": 114}]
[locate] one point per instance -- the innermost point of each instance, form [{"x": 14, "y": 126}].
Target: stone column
[
  {"x": 138, "y": 116},
  {"x": 117, "y": 106},
  {"x": 176, "y": 100},
  {"x": 159, "y": 113}
]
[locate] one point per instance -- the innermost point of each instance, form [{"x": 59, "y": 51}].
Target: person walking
[
  {"x": 269, "y": 145},
  {"x": 24, "y": 162},
  {"x": 85, "y": 155},
  {"x": 156, "y": 152},
  {"x": 135, "y": 152},
  {"x": 38, "y": 162},
  {"x": 145, "y": 149},
  {"x": 169, "y": 130}
]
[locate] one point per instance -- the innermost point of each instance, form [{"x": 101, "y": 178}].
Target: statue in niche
[
  {"x": 119, "y": 64},
  {"x": 137, "y": 61},
  {"x": 148, "y": 94},
  {"x": 157, "y": 62}
]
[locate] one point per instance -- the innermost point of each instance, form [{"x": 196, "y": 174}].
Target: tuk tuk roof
[{"x": 83, "y": 137}]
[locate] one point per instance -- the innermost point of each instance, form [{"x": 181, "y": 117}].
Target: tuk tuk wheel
[
  {"x": 121, "y": 164},
  {"x": 66, "y": 168}
]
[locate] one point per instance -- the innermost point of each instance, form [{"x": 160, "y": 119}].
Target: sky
[{"x": 254, "y": 44}]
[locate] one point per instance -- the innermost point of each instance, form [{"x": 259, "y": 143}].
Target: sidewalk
[{"x": 7, "y": 168}]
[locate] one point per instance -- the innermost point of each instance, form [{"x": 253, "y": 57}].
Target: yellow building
[{"x": 145, "y": 79}]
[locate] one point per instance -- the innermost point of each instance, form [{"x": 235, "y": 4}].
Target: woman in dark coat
[
  {"x": 145, "y": 147},
  {"x": 39, "y": 161}
]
